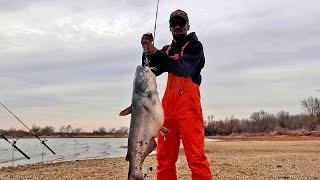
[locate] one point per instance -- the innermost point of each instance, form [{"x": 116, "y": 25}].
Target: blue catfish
[{"x": 146, "y": 120}]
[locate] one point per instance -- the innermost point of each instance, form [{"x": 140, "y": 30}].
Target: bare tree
[
  {"x": 36, "y": 129},
  {"x": 68, "y": 128},
  {"x": 263, "y": 121},
  {"x": 62, "y": 129},
  {"x": 48, "y": 130},
  {"x": 210, "y": 128},
  {"x": 76, "y": 130},
  {"x": 283, "y": 119},
  {"x": 123, "y": 130},
  {"x": 312, "y": 107},
  {"x": 112, "y": 130},
  {"x": 100, "y": 131}
]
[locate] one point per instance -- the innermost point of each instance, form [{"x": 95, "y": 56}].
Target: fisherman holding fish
[{"x": 183, "y": 59}]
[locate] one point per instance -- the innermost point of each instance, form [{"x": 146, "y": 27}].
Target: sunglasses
[{"x": 179, "y": 22}]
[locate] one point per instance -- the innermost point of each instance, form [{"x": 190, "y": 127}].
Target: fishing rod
[
  {"x": 155, "y": 23},
  {"x": 147, "y": 61},
  {"x": 35, "y": 135},
  {"x": 13, "y": 144}
]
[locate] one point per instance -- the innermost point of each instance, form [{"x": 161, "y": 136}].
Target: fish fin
[
  {"x": 164, "y": 131},
  {"x": 150, "y": 147},
  {"x": 126, "y": 111}
]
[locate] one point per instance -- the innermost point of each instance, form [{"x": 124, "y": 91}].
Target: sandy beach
[{"x": 274, "y": 157}]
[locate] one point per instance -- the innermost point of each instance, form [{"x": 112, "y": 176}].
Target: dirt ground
[{"x": 278, "y": 157}]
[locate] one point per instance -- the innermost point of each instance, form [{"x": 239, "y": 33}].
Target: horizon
[
  {"x": 73, "y": 62},
  {"x": 209, "y": 117}
]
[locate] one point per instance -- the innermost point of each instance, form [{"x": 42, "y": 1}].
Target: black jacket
[{"x": 189, "y": 65}]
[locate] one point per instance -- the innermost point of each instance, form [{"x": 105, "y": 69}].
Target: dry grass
[{"x": 232, "y": 159}]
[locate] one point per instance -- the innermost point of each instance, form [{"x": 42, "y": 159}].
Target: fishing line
[
  {"x": 16, "y": 117},
  {"x": 155, "y": 23},
  {"x": 146, "y": 60}
]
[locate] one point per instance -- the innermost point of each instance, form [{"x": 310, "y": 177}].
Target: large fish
[{"x": 146, "y": 120}]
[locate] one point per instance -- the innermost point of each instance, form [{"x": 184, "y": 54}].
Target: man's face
[{"x": 178, "y": 27}]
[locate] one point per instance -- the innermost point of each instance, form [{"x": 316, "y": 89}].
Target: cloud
[{"x": 72, "y": 62}]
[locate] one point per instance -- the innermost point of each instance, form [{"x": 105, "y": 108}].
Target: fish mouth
[
  {"x": 145, "y": 69},
  {"x": 145, "y": 73},
  {"x": 140, "y": 75},
  {"x": 140, "y": 67}
]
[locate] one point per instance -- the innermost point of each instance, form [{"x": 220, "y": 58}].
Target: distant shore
[
  {"x": 251, "y": 137},
  {"x": 90, "y": 136},
  {"x": 265, "y": 138},
  {"x": 235, "y": 157}
]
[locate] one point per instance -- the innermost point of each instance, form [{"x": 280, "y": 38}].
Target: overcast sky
[{"x": 73, "y": 62}]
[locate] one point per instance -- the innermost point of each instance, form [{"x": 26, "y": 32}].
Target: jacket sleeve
[{"x": 156, "y": 61}]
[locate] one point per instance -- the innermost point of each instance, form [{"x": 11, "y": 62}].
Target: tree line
[
  {"x": 65, "y": 131},
  {"x": 281, "y": 123}
]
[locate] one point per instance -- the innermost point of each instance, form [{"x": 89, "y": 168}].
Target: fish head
[{"x": 145, "y": 79}]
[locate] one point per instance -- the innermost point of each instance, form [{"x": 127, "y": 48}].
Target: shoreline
[
  {"x": 208, "y": 139},
  {"x": 265, "y": 138},
  {"x": 67, "y": 137},
  {"x": 219, "y": 137}
]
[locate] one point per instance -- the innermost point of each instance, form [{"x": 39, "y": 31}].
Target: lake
[{"x": 66, "y": 149}]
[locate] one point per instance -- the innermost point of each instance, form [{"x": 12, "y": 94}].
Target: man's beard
[{"x": 179, "y": 38}]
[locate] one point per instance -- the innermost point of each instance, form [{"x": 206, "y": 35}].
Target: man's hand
[{"x": 146, "y": 42}]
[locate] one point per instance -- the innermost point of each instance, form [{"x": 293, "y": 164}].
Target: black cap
[{"x": 179, "y": 13}]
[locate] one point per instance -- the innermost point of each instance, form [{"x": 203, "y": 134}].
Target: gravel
[{"x": 229, "y": 160}]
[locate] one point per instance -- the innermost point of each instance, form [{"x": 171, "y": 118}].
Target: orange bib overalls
[{"x": 183, "y": 118}]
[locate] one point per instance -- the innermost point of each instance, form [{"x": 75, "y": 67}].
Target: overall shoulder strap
[
  {"x": 168, "y": 49},
  {"x": 183, "y": 47}
]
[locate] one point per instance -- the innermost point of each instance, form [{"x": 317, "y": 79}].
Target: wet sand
[{"x": 273, "y": 157}]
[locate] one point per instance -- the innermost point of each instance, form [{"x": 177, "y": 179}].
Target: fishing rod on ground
[
  {"x": 35, "y": 135},
  {"x": 147, "y": 61},
  {"x": 13, "y": 144}
]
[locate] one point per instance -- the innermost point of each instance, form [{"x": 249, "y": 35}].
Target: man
[{"x": 183, "y": 60}]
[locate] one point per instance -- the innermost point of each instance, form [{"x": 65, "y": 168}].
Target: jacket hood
[{"x": 192, "y": 36}]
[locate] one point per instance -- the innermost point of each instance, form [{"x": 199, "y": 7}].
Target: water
[{"x": 66, "y": 149}]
